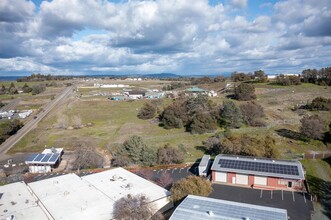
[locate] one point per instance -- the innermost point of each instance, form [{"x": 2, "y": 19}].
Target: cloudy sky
[{"x": 178, "y": 36}]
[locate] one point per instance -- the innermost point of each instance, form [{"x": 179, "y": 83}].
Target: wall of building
[{"x": 273, "y": 182}]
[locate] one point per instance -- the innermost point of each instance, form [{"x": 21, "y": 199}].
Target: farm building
[
  {"x": 44, "y": 162},
  {"x": 196, "y": 90},
  {"x": 204, "y": 165},
  {"x": 201, "y": 208},
  {"x": 119, "y": 98},
  {"x": 257, "y": 172}
]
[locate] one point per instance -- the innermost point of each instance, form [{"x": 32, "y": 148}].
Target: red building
[{"x": 257, "y": 172}]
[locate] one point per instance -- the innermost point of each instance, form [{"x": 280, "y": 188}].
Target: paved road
[{"x": 11, "y": 141}]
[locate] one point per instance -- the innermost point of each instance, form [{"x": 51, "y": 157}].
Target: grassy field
[
  {"x": 319, "y": 180},
  {"x": 112, "y": 122}
]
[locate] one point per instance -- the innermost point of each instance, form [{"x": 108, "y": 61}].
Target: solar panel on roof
[
  {"x": 31, "y": 157},
  {"x": 54, "y": 157},
  {"x": 46, "y": 158},
  {"x": 39, "y": 158},
  {"x": 259, "y": 166}
]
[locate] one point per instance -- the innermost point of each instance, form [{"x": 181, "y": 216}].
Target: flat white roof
[
  {"x": 53, "y": 150},
  {"x": 118, "y": 182},
  {"x": 17, "y": 201},
  {"x": 70, "y": 197}
]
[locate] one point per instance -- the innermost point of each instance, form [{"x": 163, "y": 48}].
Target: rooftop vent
[{"x": 211, "y": 213}]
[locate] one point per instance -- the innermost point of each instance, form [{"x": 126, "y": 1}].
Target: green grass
[{"x": 115, "y": 121}]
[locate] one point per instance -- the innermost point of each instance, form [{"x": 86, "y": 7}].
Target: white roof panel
[
  {"x": 70, "y": 197},
  {"x": 118, "y": 182},
  {"x": 17, "y": 201}
]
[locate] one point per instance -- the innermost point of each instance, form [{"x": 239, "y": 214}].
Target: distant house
[
  {"x": 196, "y": 90},
  {"x": 154, "y": 95},
  {"x": 44, "y": 162},
  {"x": 258, "y": 172},
  {"x": 135, "y": 94},
  {"x": 202, "y": 208},
  {"x": 118, "y": 98}
]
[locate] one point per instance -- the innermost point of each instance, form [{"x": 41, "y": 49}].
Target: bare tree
[
  {"x": 133, "y": 208},
  {"x": 62, "y": 122},
  {"x": 86, "y": 157},
  {"x": 76, "y": 122}
]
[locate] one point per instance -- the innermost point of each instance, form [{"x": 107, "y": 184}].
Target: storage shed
[{"x": 204, "y": 165}]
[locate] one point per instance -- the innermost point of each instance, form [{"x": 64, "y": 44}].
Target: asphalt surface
[
  {"x": 297, "y": 204},
  {"x": 12, "y": 140}
]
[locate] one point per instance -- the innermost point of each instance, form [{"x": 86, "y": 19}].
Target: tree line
[
  {"x": 41, "y": 77},
  {"x": 201, "y": 115},
  {"x": 12, "y": 89},
  {"x": 8, "y": 128}
]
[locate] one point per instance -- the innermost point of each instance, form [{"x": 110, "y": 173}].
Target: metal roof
[
  {"x": 257, "y": 166},
  {"x": 204, "y": 161},
  {"x": 202, "y": 208},
  {"x": 43, "y": 159}
]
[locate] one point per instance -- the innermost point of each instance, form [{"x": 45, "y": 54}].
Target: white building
[
  {"x": 117, "y": 183},
  {"x": 44, "y": 162},
  {"x": 25, "y": 114},
  {"x": 72, "y": 197},
  {"x": 204, "y": 165}
]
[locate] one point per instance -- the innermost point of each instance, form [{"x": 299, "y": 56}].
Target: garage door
[
  {"x": 260, "y": 180},
  {"x": 220, "y": 177},
  {"x": 242, "y": 179}
]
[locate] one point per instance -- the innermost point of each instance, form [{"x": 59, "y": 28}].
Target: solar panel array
[
  {"x": 197, "y": 209},
  {"x": 259, "y": 166},
  {"x": 43, "y": 158}
]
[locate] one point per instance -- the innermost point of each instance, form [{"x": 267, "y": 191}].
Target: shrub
[
  {"x": 312, "y": 127},
  {"x": 192, "y": 185},
  {"x": 252, "y": 114},
  {"x": 244, "y": 92},
  {"x": 148, "y": 111},
  {"x": 169, "y": 155}
]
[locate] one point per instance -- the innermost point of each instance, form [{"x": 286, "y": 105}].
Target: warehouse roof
[
  {"x": 202, "y": 208},
  {"x": 68, "y": 197},
  {"x": 258, "y": 166},
  {"x": 16, "y": 202},
  {"x": 117, "y": 183}
]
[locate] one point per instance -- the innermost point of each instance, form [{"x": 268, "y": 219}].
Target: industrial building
[
  {"x": 72, "y": 197},
  {"x": 202, "y": 208},
  {"x": 258, "y": 172}
]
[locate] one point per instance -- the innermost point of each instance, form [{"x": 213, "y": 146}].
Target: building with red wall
[{"x": 258, "y": 172}]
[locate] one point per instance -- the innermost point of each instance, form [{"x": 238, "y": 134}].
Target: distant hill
[{"x": 161, "y": 75}]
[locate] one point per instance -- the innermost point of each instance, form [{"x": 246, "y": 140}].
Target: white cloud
[
  {"x": 239, "y": 3},
  {"x": 182, "y": 36}
]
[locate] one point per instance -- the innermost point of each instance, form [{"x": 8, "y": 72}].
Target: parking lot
[{"x": 297, "y": 204}]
